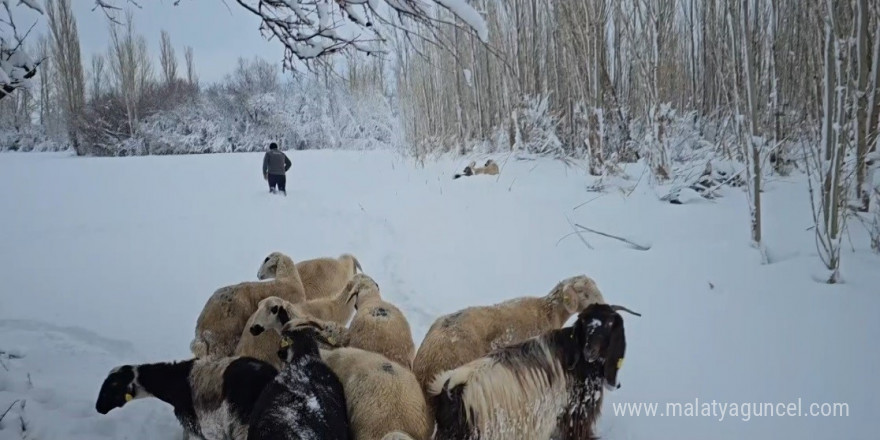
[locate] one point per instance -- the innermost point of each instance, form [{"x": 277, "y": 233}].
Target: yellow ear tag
[
  {"x": 619, "y": 363},
  {"x": 331, "y": 340},
  {"x": 128, "y": 397},
  {"x": 285, "y": 342}
]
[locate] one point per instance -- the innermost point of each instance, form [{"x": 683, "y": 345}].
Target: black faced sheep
[
  {"x": 550, "y": 385},
  {"x": 212, "y": 398},
  {"x": 305, "y": 401}
]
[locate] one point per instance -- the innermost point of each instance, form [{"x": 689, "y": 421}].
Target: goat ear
[
  {"x": 615, "y": 353},
  {"x": 570, "y": 299}
]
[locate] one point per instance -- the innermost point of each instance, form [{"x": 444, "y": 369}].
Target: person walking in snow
[{"x": 275, "y": 165}]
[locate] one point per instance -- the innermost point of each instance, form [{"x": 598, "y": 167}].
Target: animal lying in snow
[
  {"x": 212, "y": 398},
  {"x": 551, "y": 386},
  {"x": 490, "y": 168},
  {"x": 305, "y": 401}
]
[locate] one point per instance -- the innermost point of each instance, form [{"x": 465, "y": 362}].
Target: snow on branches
[
  {"x": 16, "y": 67},
  {"x": 309, "y": 29}
]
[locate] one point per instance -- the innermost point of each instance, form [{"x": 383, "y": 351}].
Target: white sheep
[
  {"x": 550, "y": 386},
  {"x": 376, "y": 326},
  {"x": 273, "y": 313},
  {"x": 460, "y": 337},
  {"x": 220, "y": 324},
  {"x": 383, "y": 397},
  {"x": 321, "y": 277}
]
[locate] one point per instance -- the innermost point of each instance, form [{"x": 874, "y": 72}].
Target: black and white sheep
[
  {"x": 550, "y": 386},
  {"x": 306, "y": 400},
  {"x": 212, "y": 398}
]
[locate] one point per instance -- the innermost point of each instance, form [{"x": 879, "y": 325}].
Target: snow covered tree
[
  {"x": 167, "y": 59},
  {"x": 131, "y": 69},
  {"x": 827, "y": 160},
  {"x": 68, "y": 66},
  {"x": 310, "y": 29},
  {"x": 16, "y": 66}
]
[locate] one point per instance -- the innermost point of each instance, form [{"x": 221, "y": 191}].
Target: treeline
[{"x": 129, "y": 102}]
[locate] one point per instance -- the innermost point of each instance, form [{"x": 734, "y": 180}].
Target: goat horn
[
  {"x": 617, "y": 308},
  {"x": 309, "y": 323}
]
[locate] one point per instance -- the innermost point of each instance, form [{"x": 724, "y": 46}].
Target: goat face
[
  {"x": 599, "y": 329},
  {"x": 297, "y": 342}
]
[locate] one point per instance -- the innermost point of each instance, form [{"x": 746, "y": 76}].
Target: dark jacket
[{"x": 275, "y": 162}]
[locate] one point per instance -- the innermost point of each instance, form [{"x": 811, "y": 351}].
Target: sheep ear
[
  {"x": 615, "y": 352},
  {"x": 570, "y": 299},
  {"x": 283, "y": 316}
]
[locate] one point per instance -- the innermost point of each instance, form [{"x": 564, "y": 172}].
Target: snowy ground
[{"x": 108, "y": 261}]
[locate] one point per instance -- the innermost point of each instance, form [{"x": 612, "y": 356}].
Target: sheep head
[
  {"x": 577, "y": 293},
  {"x": 275, "y": 263},
  {"x": 270, "y": 314},
  {"x": 600, "y": 337},
  {"x": 269, "y": 267},
  {"x": 362, "y": 288},
  {"x": 119, "y": 388}
]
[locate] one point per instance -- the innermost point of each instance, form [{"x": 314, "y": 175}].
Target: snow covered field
[{"x": 105, "y": 262}]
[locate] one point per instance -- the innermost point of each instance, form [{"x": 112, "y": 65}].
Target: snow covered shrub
[{"x": 535, "y": 128}]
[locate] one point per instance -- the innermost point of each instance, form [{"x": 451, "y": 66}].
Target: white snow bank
[{"x": 109, "y": 261}]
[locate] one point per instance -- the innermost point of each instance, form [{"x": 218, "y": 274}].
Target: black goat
[{"x": 306, "y": 400}]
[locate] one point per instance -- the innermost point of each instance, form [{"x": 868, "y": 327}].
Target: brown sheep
[
  {"x": 226, "y": 312},
  {"x": 458, "y": 338},
  {"x": 273, "y": 312},
  {"x": 377, "y": 326},
  {"x": 321, "y": 277}
]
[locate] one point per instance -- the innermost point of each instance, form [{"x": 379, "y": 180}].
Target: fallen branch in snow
[
  {"x": 588, "y": 201},
  {"x": 638, "y": 246},
  {"x": 575, "y": 231},
  {"x": 2, "y": 416}
]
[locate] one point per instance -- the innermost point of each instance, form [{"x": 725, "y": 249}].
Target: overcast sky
[{"x": 219, "y": 31}]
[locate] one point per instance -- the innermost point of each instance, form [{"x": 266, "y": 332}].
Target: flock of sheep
[{"x": 313, "y": 351}]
